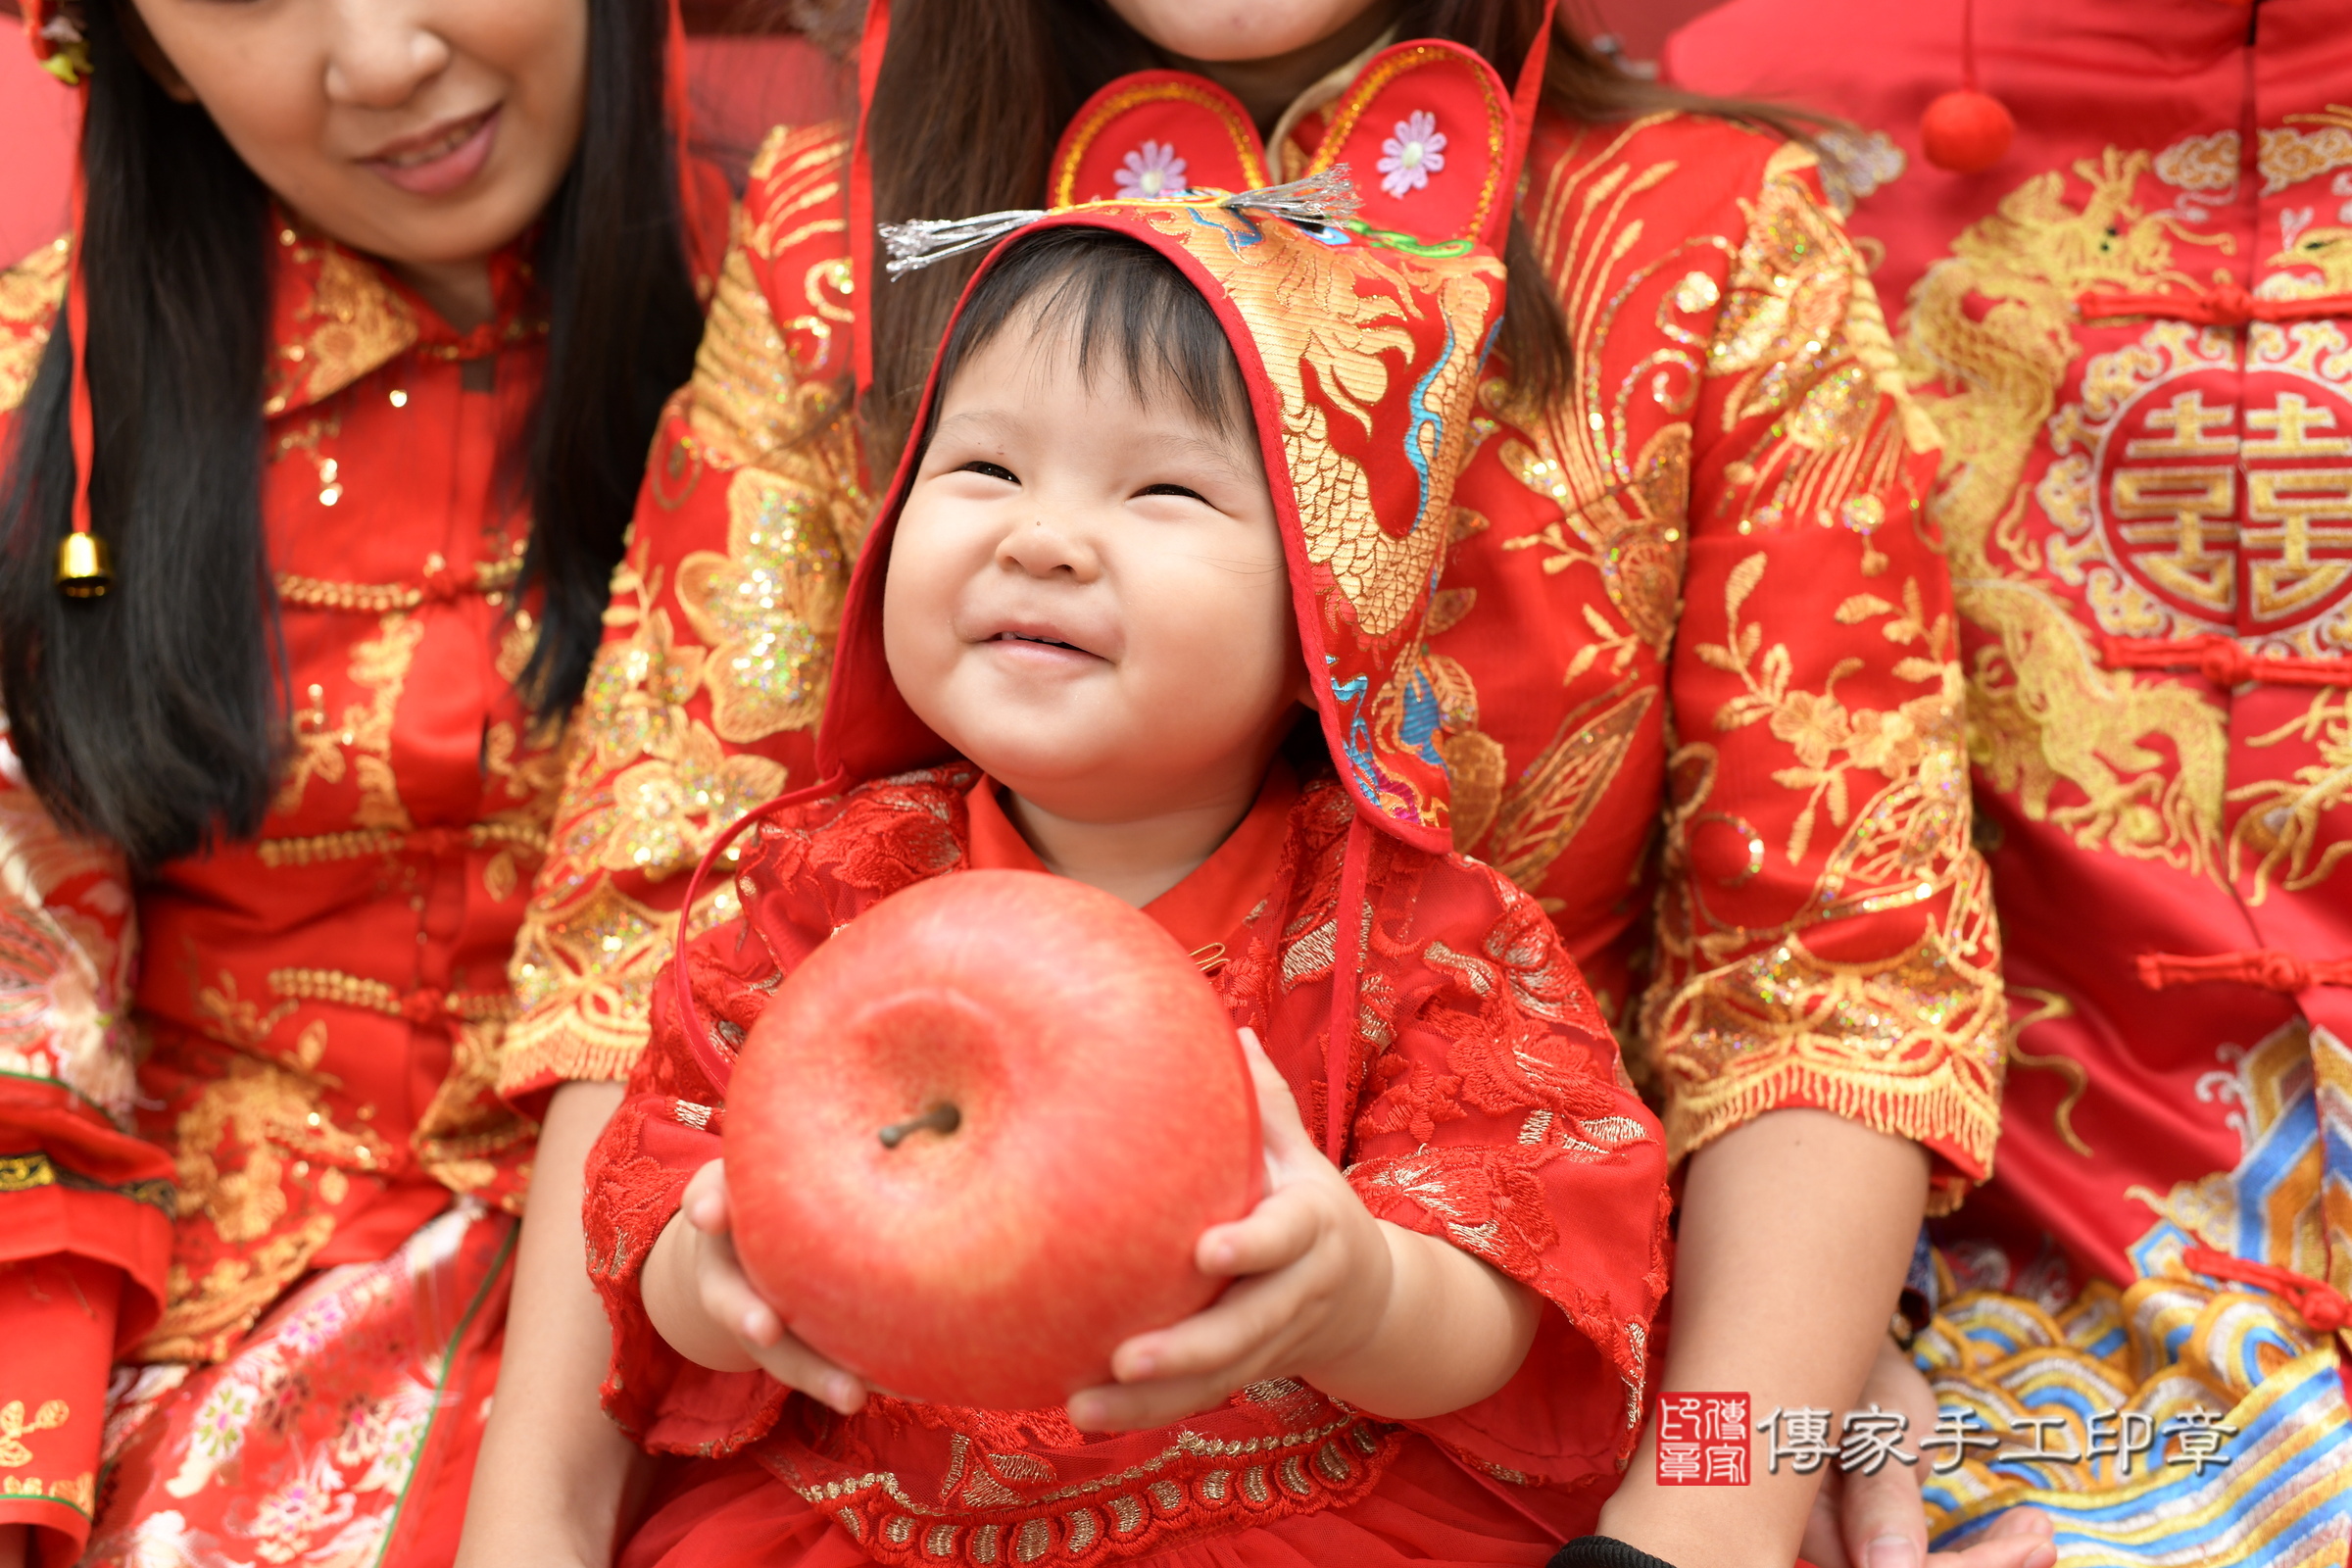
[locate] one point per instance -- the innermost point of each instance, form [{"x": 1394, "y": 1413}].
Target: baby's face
[{"x": 1087, "y": 594}]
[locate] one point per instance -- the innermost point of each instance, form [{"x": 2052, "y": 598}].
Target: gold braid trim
[
  {"x": 383, "y": 598},
  {"x": 374, "y": 995},
  {"x": 361, "y": 843}
]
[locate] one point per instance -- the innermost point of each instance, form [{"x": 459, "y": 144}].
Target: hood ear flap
[
  {"x": 1427, "y": 131},
  {"x": 1151, "y": 134}
]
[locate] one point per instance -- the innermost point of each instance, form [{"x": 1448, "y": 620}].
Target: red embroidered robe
[
  {"x": 1691, "y": 666},
  {"x": 2132, "y": 331},
  {"x": 272, "y": 1063}
]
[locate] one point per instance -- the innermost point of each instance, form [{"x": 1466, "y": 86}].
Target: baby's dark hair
[{"x": 1121, "y": 302}]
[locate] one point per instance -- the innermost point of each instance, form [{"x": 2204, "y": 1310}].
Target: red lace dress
[{"x": 1487, "y": 1108}]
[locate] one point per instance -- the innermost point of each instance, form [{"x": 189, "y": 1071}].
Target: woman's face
[
  {"x": 1242, "y": 30},
  {"x": 424, "y": 131}
]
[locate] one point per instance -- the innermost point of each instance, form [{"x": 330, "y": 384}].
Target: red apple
[{"x": 974, "y": 1139}]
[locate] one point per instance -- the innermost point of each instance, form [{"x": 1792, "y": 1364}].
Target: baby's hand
[
  {"x": 1318, "y": 1270},
  {"x": 740, "y": 1313}
]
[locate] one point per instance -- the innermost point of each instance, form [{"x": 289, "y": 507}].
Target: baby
[{"x": 1145, "y": 611}]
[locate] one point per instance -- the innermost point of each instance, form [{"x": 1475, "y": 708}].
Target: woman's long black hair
[{"x": 156, "y": 717}]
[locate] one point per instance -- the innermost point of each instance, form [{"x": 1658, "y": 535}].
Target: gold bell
[{"x": 83, "y": 569}]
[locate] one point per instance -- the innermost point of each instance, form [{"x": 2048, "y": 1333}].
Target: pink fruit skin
[{"x": 1108, "y": 1119}]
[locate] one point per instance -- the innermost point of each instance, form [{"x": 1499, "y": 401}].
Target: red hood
[{"x": 1360, "y": 346}]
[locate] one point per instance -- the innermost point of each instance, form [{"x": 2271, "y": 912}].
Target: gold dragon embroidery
[{"x": 2076, "y": 744}]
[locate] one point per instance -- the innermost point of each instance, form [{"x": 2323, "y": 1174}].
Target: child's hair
[
  {"x": 155, "y": 715},
  {"x": 1113, "y": 300}
]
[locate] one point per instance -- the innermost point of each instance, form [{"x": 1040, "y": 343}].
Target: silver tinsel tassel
[{"x": 1325, "y": 198}]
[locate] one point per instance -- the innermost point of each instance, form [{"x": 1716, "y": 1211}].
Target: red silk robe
[
  {"x": 1692, "y": 662},
  {"x": 237, "y": 1092},
  {"x": 2133, "y": 333},
  {"x": 1477, "y": 1029}
]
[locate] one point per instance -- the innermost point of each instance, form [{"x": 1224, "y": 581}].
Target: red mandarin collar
[
  {"x": 1204, "y": 909},
  {"x": 517, "y": 310}
]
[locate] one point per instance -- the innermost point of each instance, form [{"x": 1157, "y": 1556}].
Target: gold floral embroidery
[
  {"x": 208, "y": 1315},
  {"x": 1632, "y": 536},
  {"x": 15, "y": 1427},
  {"x": 1914, "y": 1045},
  {"x": 1826, "y": 738},
  {"x": 2042, "y": 711},
  {"x": 270, "y": 1115},
  {"x": 31, "y": 294},
  {"x": 583, "y": 977},
  {"x": 1792, "y": 315},
  {"x": 768, "y": 608},
  {"x": 587, "y": 952},
  {"x": 753, "y": 396},
  {"x": 466, "y": 1125},
  {"x": 350, "y": 324},
  {"x": 666, "y": 808},
  {"x": 1542, "y": 811},
  {"x": 647, "y": 781},
  {"x": 380, "y": 665},
  {"x": 528, "y": 771},
  {"x": 235, "y": 1021}
]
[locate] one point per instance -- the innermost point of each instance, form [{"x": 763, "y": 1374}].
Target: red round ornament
[
  {"x": 973, "y": 1142},
  {"x": 1967, "y": 131}
]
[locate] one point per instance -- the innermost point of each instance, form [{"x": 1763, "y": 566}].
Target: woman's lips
[{"x": 440, "y": 160}]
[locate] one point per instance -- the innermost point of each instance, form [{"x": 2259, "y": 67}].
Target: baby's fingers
[
  {"x": 1276, "y": 1232},
  {"x": 796, "y": 1367},
  {"x": 1140, "y": 1406},
  {"x": 727, "y": 1295},
  {"x": 705, "y": 1202},
  {"x": 1233, "y": 1338}
]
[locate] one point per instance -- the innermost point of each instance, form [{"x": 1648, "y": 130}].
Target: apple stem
[{"x": 941, "y": 1118}]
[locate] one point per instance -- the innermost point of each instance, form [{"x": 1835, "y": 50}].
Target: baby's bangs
[{"x": 1118, "y": 302}]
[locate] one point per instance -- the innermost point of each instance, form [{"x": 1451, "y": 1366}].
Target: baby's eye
[
  {"x": 994, "y": 470},
  {"x": 1172, "y": 490}
]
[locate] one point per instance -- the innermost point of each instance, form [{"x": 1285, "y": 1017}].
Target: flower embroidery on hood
[
  {"x": 1151, "y": 170},
  {"x": 1416, "y": 152}
]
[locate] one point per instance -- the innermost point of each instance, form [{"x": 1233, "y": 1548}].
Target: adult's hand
[{"x": 1877, "y": 1520}]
